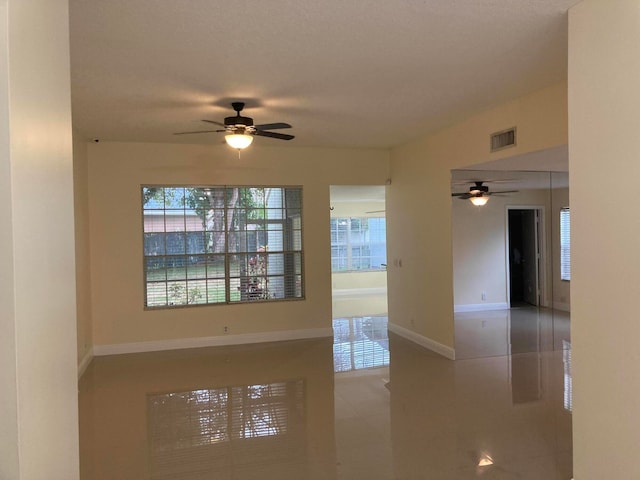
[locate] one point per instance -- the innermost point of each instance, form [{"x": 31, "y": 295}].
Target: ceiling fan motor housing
[
  {"x": 478, "y": 188},
  {"x": 238, "y": 121}
]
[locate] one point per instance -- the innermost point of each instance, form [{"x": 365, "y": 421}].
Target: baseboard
[
  {"x": 85, "y": 361},
  {"x": 358, "y": 292},
  {"x": 565, "y": 307},
  {"x": 425, "y": 342},
  {"x": 480, "y": 307},
  {"x": 223, "y": 340}
]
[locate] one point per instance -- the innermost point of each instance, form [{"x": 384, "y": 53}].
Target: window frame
[{"x": 226, "y": 255}]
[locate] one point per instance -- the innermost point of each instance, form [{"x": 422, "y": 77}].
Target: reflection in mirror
[
  {"x": 525, "y": 359},
  {"x": 473, "y": 412},
  {"x": 561, "y": 258},
  {"x": 526, "y": 380},
  {"x": 506, "y": 262}
]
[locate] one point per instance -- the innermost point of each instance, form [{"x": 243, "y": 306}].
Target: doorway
[
  {"x": 524, "y": 255},
  {"x": 358, "y": 250}
]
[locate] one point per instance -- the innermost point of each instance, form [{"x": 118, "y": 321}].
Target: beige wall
[
  {"x": 358, "y": 280},
  {"x": 38, "y": 376},
  {"x": 116, "y": 171},
  {"x": 419, "y": 203},
  {"x": 479, "y": 236},
  {"x": 9, "y": 461},
  {"x": 83, "y": 277},
  {"x": 604, "y": 153}
]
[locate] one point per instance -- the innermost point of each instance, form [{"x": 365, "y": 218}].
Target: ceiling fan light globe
[
  {"x": 479, "y": 201},
  {"x": 238, "y": 141}
]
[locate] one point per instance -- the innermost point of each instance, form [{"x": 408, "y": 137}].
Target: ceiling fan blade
[
  {"x": 280, "y": 136},
  {"x": 462, "y": 196},
  {"x": 200, "y": 131},
  {"x": 272, "y": 126},
  {"x": 504, "y": 191},
  {"x": 214, "y": 122},
  {"x": 491, "y": 180}
]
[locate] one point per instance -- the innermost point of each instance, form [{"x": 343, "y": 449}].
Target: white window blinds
[
  {"x": 565, "y": 244},
  {"x": 221, "y": 244}
]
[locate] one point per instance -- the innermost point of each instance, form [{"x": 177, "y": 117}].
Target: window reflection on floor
[
  {"x": 360, "y": 342},
  {"x": 226, "y": 429}
]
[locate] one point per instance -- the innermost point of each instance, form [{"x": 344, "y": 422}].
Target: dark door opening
[{"x": 523, "y": 257}]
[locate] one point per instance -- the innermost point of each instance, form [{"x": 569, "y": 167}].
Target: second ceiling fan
[{"x": 479, "y": 193}]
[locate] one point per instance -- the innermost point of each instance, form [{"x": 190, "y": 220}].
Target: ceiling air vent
[{"x": 503, "y": 139}]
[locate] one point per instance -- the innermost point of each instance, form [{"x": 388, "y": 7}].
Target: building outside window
[
  {"x": 221, "y": 244},
  {"x": 358, "y": 244}
]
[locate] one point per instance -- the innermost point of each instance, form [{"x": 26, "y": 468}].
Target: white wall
[
  {"x": 359, "y": 280},
  {"x": 38, "y": 399},
  {"x": 604, "y": 166}
]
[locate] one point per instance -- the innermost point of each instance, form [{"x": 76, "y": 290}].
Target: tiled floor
[{"x": 278, "y": 411}]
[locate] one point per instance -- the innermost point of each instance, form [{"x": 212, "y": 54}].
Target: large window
[
  {"x": 358, "y": 244},
  {"x": 565, "y": 244},
  {"x": 208, "y": 245}
]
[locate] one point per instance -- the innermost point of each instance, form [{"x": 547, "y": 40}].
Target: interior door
[
  {"x": 523, "y": 257},
  {"x": 529, "y": 257}
]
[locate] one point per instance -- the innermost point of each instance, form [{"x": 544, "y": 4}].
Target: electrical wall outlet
[{"x": 484, "y": 296}]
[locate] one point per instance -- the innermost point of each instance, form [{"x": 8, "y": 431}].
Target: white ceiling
[{"x": 357, "y": 73}]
